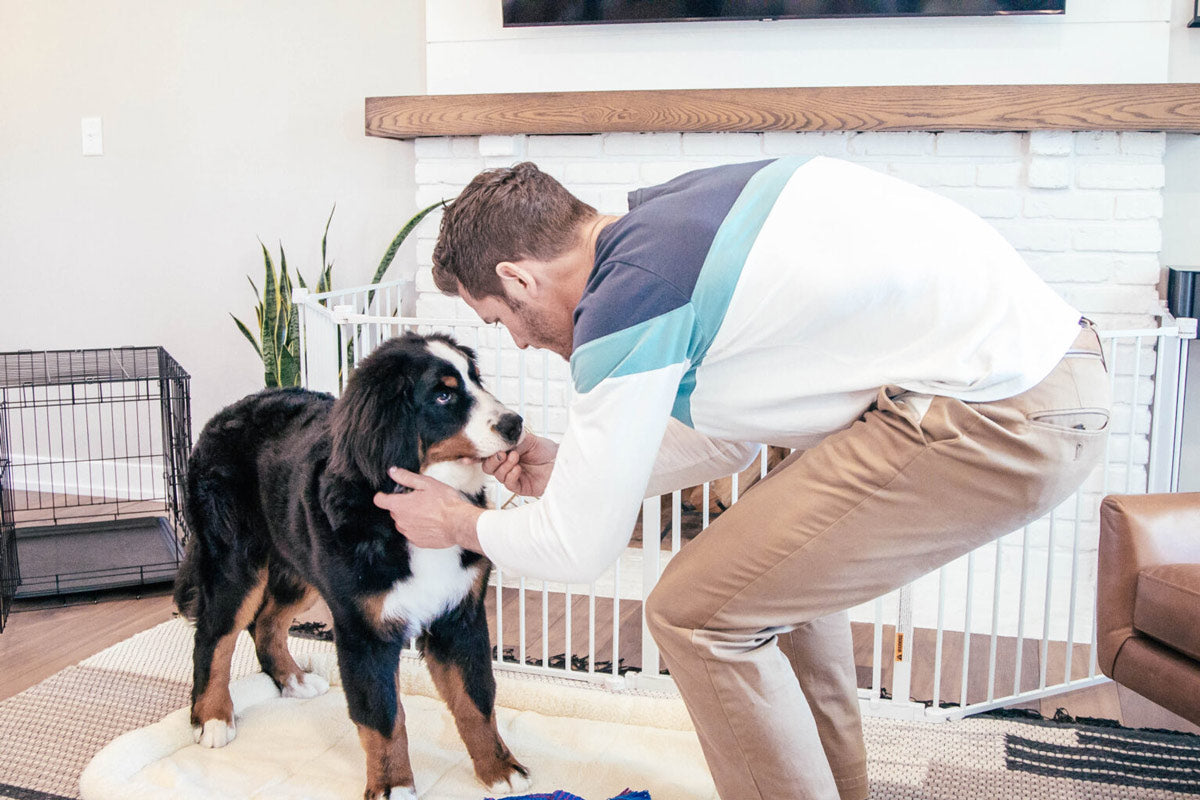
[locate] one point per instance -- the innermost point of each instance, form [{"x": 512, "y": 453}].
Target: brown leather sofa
[{"x": 1148, "y": 597}]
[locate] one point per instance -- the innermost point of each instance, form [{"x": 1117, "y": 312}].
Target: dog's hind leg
[
  {"x": 225, "y": 612},
  {"x": 286, "y": 596},
  {"x": 368, "y": 666},
  {"x": 458, "y": 653}
]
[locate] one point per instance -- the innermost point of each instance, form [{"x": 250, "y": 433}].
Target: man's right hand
[{"x": 524, "y": 470}]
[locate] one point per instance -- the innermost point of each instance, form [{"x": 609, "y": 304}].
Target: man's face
[{"x": 530, "y": 324}]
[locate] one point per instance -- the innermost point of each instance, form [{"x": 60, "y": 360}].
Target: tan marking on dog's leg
[
  {"x": 270, "y": 640},
  {"x": 495, "y": 765},
  {"x": 479, "y": 586},
  {"x": 372, "y": 608},
  {"x": 215, "y": 705},
  {"x": 388, "y": 765}
]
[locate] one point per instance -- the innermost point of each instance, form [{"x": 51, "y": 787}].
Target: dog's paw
[
  {"x": 305, "y": 686},
  {"x": 517, "y": 782},
  {"x": 214, "y": 733},
  {"x": 396, "y": 793}
]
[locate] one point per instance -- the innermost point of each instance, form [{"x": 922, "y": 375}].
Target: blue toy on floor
[{"x": 561, "y": 795}]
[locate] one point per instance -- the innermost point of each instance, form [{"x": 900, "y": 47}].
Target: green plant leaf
[
  {"x": 326, "y": 282},
  {"x": 325, "y": 237},
  {"x": 283, "y": 321},
  {"x": 270, "y": 321},
  {"x": 257, "y": 296},
  {"x": 249, "y": 336},
  {"x": 289, "y": 345},
  {"x": 398, "y": 240}
]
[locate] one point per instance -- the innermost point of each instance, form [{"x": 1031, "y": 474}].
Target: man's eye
[{"x": 444, "y": 398}]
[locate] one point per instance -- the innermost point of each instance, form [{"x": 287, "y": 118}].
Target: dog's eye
[{"x": 444, "y": 398}]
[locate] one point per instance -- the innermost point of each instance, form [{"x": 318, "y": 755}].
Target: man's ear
[{"x": 518, "y": 279}]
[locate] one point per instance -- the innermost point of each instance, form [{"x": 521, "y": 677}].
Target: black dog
[{"x": 279, "y": 504}]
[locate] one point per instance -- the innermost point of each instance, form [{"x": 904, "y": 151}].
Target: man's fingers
[
  {"x": 500, "y": 463},
  {"x": 403, "y": 477},
  {"x": 493, "y": 462},
  {"x": 387, "y": 501}
]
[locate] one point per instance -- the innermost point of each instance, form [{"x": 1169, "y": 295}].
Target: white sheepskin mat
[{"x": 589, "y": 741}]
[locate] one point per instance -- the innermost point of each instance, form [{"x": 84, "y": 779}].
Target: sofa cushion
[{"x": 1167, "y": 607}]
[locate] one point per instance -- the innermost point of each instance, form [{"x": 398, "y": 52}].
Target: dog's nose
[{"x": 509, "y": 427}]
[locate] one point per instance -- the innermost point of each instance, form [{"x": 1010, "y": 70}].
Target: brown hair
[{"x": 504, "y": 214}]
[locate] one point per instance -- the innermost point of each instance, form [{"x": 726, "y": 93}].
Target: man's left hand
[{"x": 433, "y": 515}]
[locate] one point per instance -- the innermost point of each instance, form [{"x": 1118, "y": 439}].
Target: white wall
[
  {"x": 1096, "y": 41},
  {"x": 1185, "y": 43},
  {"x": 222, "y": 121},
  {"x": 1181, "y": 217}
]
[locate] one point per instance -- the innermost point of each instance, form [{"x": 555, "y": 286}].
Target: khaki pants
[{"x": 750, "y": 616}]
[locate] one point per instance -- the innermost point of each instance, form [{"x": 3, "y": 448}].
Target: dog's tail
[
  {"x": 199, "y": 515},
  {"x": 187, "y": 584}
]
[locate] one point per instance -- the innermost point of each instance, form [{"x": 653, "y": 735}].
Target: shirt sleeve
[
  {"x": 634, "y": 335},
  {"x": 584, "y": 519},
  {"x": 689, "y": 458}
]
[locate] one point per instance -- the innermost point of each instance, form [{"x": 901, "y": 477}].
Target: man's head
[
  {"x": 518, "y": 247},
  {"x": 504, "y": 215}
]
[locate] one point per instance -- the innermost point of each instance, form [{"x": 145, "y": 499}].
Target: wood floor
[{"x": 45, "y": 636}]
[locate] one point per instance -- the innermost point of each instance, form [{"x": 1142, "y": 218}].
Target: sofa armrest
[{"x": 1137, "y": 532}]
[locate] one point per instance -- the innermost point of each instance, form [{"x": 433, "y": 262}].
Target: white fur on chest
[{"x": 438, "y": 582}]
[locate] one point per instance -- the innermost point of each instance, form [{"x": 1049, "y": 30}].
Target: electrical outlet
[{"x": 93, "y": 136}]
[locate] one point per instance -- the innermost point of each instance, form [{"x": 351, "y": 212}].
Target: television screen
[{"x": 572, "y": 12}]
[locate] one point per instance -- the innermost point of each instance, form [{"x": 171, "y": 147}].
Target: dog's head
[{"x": 414, "y": 402}]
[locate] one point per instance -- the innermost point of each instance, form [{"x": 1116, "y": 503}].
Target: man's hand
[
  {"x": 524, "y": 470},
  {"x": 432, "y": 515}
]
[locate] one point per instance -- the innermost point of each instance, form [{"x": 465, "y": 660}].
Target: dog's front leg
[
  {"x": 458, "y": 654},
  {"x": 368, "y": 667}
]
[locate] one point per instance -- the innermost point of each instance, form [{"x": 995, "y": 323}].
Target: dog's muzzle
[{"x": 509, "y": 426}]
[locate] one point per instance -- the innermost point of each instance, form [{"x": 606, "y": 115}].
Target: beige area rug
[{"x": 128, "y": 704}]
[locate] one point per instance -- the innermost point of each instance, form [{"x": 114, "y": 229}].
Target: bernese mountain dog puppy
[{"x": 279, "y": 492}]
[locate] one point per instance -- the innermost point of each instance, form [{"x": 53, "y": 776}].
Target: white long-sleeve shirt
[{"x": 767, "y": 302}]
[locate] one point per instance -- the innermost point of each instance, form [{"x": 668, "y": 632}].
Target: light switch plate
[{"x": 93, "y": 136}]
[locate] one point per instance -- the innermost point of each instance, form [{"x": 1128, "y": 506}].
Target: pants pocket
[
  {"x": 1079, "y": 419},
  {"x": 1085, "y": 382}
]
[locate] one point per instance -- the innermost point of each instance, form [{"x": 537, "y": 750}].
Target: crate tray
[{"x": 85, "y": 557}]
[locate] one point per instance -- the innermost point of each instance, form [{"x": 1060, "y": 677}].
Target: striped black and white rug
[
  {"x": 1152, "y": 762},
  {"x": 50, "y": 732}
]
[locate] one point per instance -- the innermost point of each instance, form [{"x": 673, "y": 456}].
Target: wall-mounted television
[{"x": 581, "y": 12}]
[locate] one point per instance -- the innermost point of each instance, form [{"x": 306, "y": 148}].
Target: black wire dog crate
[{"x": 93, "y": 458}]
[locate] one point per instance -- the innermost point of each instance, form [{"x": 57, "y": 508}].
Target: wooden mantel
[{"x": 1171, "y": 107}]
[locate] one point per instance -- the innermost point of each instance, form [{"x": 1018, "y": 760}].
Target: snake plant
[{"x": 277, "y": 338}]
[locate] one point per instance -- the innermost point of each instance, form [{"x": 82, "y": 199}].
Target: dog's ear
[{"x": 374, "y": 423}]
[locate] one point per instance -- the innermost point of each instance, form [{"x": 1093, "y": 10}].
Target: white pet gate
[{"x": 1011, "y": 622}]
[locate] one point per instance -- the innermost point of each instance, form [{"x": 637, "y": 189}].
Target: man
[{"x": 936, "y": 392}]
